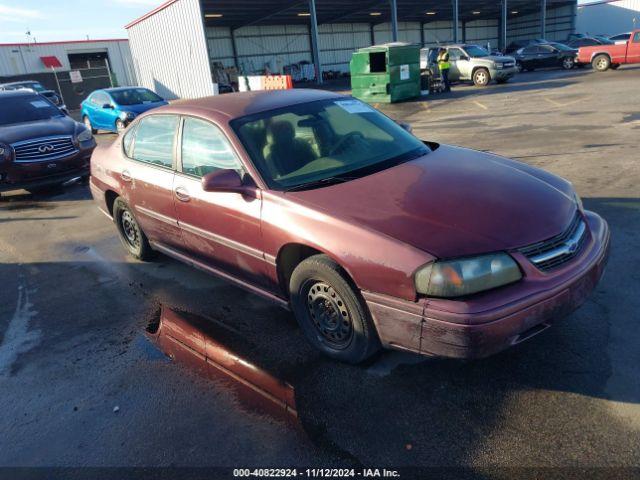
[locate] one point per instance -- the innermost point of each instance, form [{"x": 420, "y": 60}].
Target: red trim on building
[
  {"x": 63, "y": 42},
  {"x": 51, "y": 62},
  {"x": 151, "y": 13}
]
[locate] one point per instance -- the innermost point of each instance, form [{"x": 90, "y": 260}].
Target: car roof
[
  {"x": 22, "y": 82},
  {"x": 119, "y": 89},
  {"x": 17, "y": 93},
  {"x": 240, "y": 104}
]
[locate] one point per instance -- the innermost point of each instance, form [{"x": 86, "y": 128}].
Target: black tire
[
  {"x": 131, "y": 235},
  {"x": 331, "y": 311},
  {"x": 87, "y": 123},
  {"x": 568, "y": 63},
  {"x": 601, "y": 63},
  {"x": 481, "y": 77}
]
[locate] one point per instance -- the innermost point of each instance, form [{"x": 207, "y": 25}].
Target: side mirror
[
  {"x": 464, "y": 57},
  {"x": 224, "y": 180},
  {"x": 405, "y": 126},
  {"x": 107, "y": 105}
]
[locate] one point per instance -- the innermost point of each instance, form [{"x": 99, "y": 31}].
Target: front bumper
[
  {"x": 490, "y": 322},
  {"x": 503, "y": 73}
]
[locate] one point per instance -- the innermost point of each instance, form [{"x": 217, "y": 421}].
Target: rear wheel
[
  {"x": 331, "y": 312},
  {"x": 131, "y": 235},
  {"x": 120, "y": 126},
  {"x": 601, "y": 63},
  {"x": 568, "y": 63},
  {"x": 481, "y": 77},
  {"x": 87, "y": 123}
]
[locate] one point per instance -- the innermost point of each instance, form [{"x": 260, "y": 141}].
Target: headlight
[
  {"x": 85, "y": 135},
  {"x": 127, "y": 115},
  {"x": 455, "y": 278}
]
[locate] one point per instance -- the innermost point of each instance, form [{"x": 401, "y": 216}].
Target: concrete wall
[
  {"x": 169, "y": 51},
  {"x": 608, "y": 18},
  {"x": 21, "y": 59}
]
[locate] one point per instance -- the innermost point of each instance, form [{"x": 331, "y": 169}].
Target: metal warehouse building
[
  {"x": 608, "y": 17},
  {"x": 176, "y": 47},
  {"x": 93, "y": 59}
]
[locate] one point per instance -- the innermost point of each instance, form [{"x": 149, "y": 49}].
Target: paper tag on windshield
[
  {"x": 354, "y": 106},
  {"x": 39, "y": 104}
]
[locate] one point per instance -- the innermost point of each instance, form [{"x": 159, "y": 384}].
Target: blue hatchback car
[{"x": 113, "y": 109}]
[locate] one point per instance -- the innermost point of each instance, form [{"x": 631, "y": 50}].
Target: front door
[
  {"x": 147, "y": 177},
  {"x": 459, "y": 65},
  {"x": 633, "y": 48},
  {"x": 220, "y": 228}
]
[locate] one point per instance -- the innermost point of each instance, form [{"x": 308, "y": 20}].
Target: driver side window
[
  {"x": 455, "y": 54},
  {"x": 205, "y": 149}
]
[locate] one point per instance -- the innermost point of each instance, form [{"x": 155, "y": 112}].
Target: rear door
[
  {"x": 147, "y": 176},
  {"x": 633, "y": 48},
  {"x": 220, "y": 228},
  {"x": 456, "y": 72},
  {"x": 529, "y": 57},
  {"x": 547, "y": 56}
]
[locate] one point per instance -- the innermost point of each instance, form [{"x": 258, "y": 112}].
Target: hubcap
[
  {"x": 602, "y": 64},
  {"x": 130, "y": 229},
  {"x": 482, "y": 77},
  {"x": 330, "y": 315}
]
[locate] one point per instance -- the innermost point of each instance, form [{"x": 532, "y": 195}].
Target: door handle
[
  {"x": 182, "y": 194},
  {"x": 125, "y": 176}
]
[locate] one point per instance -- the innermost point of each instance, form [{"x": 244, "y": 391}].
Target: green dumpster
[{"x": 386, "y": 73}]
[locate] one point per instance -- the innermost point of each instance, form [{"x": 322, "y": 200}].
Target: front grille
[
  {"x": 44, "y": 149},
  {"x": 554, "y": 252}
]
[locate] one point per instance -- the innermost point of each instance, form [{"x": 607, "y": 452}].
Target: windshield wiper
[{"x": 323, "y": 182}]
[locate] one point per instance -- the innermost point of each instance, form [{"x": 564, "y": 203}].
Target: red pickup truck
[{"x": 604, "y": 57}]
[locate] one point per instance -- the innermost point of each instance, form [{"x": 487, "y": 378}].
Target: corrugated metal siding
[
  {"x": 407, "y": 32},
  {"x": 558, "y": 26},
  {"x": 440, "y": 32},
  {"x": 338, "y": 41},
  {"x": 608, "y": 18},
  {"x": 21, "y": 59},
  {"x": 170, "y": 53},
  {"x": 482, "y": 32}
]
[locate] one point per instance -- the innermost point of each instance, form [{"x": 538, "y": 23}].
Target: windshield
[
  {"x": 324, "y": 141},
  {"x": 563, "y": 47},
  {"x": 476, "y": 52},
  {"x": 134, "y": 96},
  {"x": 28, "y": 108},
  {"x": 33, "y": 86}
]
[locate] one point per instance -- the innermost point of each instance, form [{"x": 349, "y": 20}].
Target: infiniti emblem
[
  {"x": 45, "y": 148},
  {"x": 572, "y": 246}
]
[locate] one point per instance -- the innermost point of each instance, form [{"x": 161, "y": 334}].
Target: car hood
[
  {"x": 453, "y": 202},
  {"x": 141, "y": 107},
  {"x": 494, "y": 58},
  {"x": 42, "y": 128}
]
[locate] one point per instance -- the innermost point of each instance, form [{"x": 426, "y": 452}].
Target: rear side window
[
  {"x": 205, "y": 149},
  {"x": 127, "y": 141},
  {"x": 155, "y": 137},
  {"x": 636, "y": 37}
]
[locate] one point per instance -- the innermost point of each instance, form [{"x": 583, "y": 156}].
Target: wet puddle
[{"x": 199, "y": 344}]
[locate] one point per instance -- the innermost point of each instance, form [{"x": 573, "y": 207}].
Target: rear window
[{"x": 28, "y": 108}]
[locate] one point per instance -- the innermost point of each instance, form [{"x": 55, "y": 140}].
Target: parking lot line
[
  {"x": 566, "y": 104},
  {"x": 484, "y": 107}
]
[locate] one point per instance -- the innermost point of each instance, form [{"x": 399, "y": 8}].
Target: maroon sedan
[{"x": 371, "y": 236}]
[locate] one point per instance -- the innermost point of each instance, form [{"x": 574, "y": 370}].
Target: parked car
[
  {"x": 604, "y": 57},
  {"x": 588, "y": 42},
  {"x": 112, "y": 109},
  {"x": 545, "y": 56},
  {"x": 37, "y": 87},
  {"x": 371, "y": 236},
  {"x": 474, "y": 63},
  {"x": 39, "y": 145},
  {"x": 518, "y": 44},
  {"x": 620, "y": 37}
]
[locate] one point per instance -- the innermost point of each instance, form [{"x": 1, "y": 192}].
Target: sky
[{"x": 52, "y": 20}]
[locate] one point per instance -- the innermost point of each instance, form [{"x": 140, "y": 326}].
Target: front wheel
[
  {"x": 131, "y": 235},
  {"x": 87, "y": 123},
  {"x": 481, "y": 77},
  {"x": 568, "y": 63},
  {"x": 601, "y": 63},
  {"x": 331, "y": 312}
]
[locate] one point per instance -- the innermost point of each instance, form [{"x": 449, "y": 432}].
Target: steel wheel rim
[
  {"x": 130, "y": 229},
  {"x": 329, "y": 314},
  {"x": 568, "y": 63}
]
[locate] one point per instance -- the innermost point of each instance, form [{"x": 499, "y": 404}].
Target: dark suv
[{"x": 40, "y": 146}]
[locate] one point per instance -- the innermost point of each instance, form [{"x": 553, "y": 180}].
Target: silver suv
[{"x": 471, "y": 62}]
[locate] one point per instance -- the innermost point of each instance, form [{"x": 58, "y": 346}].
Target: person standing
[{"x": 444, "y": 65}]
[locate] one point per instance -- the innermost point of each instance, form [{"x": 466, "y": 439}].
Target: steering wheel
[{"x": 343, "y": 141}]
